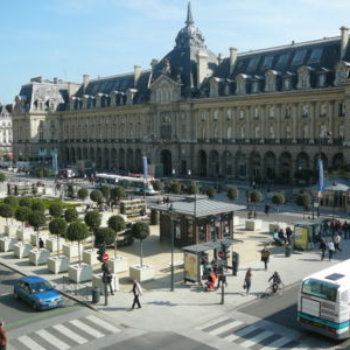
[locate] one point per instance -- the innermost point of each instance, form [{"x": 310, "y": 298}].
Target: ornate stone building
[
  {"x": 5, "y": 131},
  {"x": 266, "y": 113}
]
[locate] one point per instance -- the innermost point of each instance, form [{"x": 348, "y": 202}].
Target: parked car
[{"x": 37, "y": 292}]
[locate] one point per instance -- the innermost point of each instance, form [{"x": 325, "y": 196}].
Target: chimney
[
  {"x": 220, "y": 58},
  {"x": 233, "y": 58},
  {"x": 55, "y": 80},
  {"x": 86, "y": 79},
  {"x": 202, "y": 67},
  {"x": 344, "y": 41},
  {"x": 137, "y": 74},
  {"x": 154, "y": 62}
]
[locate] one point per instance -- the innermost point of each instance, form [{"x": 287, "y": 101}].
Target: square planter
[
  {"x": 39, "y": 256},
  {"x": 71, "y": 250},
  {"x": 98, "y": 282},
  {"x": 51, "y": 243},
  {"x": 90, "y": 257},
  {"x": 118, "y": 264},
  {"x": 42, "y": 235},
  {"x": 21, "y": 250},
  {"x": 141, "y": 273},
  {"x": 58, "y": 264},
  {"x": 10, "y": 230},
  {"x": 253, "y": 225},
  {"x": 236, "y": 221},
  {"x": 24, "y": 235},
  {"x": 80, "y": 273},
  {"x": 273, "y": 227},
  {"x": 7, "y": 244}
]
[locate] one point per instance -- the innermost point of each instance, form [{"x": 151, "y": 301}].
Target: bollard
[
  {"x": 288, "y": 250},
  {"x": 235, "y": 263},
  {"x": 95, "y": 295}
]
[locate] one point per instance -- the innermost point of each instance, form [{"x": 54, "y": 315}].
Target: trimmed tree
[
  {"x": 158, "y": 185},
  {"x": 22, "y": 215},
  {"x": 117, "y": 224},
  {"x": 25, "y": 202},
  {"x": 193, "y": 188},
  {"x": 96, "y": 196},
  {"x": 175, "y": 187},
  {"x": 304, "y": 200},
  {"x": 11, "y": 201},
  {"x": 77, "y": 231},
  {"x": 6, "y": 211},
  {"x": 105, "y": 235},
  {"x": 93, "y": 221},
  {"x": 70, "y": 214},
  {"x": 106, "y": 193},
  {"x": 58, "y": 227},
  {"x": 37, "y": 219},
  {"x": 255, "y": 197},
  {"x": 2, "y": 177},
  {"x": 211, "y": 192},
  {"x": 117, "y": 193},
  {"x": 278, "y": 199},
  {"x": 56, "y": 210},
  {"x": 38, "y": 205},
  {"x": 83, "y": 193},
  {"x": 232, "y": 193},
  {"x": 140, "y": 230}
]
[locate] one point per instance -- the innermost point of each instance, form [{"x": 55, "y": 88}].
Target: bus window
[{"x": 320, "y": 289}]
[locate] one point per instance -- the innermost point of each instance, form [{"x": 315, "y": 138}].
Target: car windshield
[{"x": 40, "y": 287}]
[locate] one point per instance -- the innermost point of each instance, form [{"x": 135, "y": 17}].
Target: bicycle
[{"x": 273, "y": 288}]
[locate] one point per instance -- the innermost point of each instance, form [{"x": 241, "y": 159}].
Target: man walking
[
  {"x": 3, "y": 336},
  {"x": 137, "y": 291},
  {"x": 107, "y": 276}
]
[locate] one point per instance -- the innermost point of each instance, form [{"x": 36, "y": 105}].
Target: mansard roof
[{"x": 318, "y": 54}]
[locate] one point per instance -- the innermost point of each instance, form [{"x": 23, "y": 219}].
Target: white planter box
[
  {"x": 90, "y": 257},
  {"x": 98, "y": 282},
  {"x": 71, "y": 250},
  {"x": 51, "y": 243},
  {"x": 144, "y": 273},
  {"x": 7, "y": 244},
  {"x": 23, "y": 235},
  {"x": 118, "y": 264},
  {"x": 39, "y": 256},
  {"x": 21, "y": 250},
  {"x": 10, "y": 230},
  {"x": 236, "y": 221},
  {"x": 253, "y": 225},
  {"x": 80, "y": 273},
  {"x": 273, "y": 227},
  {"x": 58, "y": 264},
  {"x": 44, "y": 236}
]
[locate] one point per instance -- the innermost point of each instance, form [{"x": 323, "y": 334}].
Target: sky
[{"x": 69, "y": 38}]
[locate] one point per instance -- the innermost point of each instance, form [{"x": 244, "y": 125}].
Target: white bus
[{"x": 324, "y": 301}]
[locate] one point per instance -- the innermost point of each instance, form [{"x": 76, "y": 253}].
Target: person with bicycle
[{"x": 275, "y": 280}]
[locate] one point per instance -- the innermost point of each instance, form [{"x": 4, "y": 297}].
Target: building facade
[
  {"x": 5, "y": 132},
  {"x": 265, "y": 114}
]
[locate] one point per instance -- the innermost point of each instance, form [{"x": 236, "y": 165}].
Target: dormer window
[
  {"x": 304, "y": 77},
  {"x": 256, "y": 85},
  {"x": 322, "y": 80},
  {"x": 241, "y": 87},
  {"x": 270, "y": 80},
  {"x": 341, "y": 72}
]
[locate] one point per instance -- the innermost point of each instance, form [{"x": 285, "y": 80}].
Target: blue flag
[
  {"x": 320, "y": 183},
  {"x": 145, "y": 168}
]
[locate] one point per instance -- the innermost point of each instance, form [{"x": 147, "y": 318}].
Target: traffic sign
[{"x": 105, "y": 257}]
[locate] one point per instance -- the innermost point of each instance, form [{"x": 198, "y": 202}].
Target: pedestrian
[
  {"x": 282, "y": 236},
  {"x": 289, "y": 233},
  {"x": 107, "y": 276},
  {"x": 3, "y": 336},
  {"x": 331, "y": 249},
  {"x": 222, "y": 281},
  {"x": 337, "y": 240},
  {"x": 265, "y": 256},
  {"x": 323, "y": 248},
  {"x": 137, "y": 291},
  {"x": 267, "y": 209},
  {"x": 41, "y": 243},
  {"x": 248, "y": 280}
]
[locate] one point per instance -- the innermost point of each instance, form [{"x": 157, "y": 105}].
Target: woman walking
[
  {"x": 248, "y": 280},
  {"x": 265, "y": 256}
]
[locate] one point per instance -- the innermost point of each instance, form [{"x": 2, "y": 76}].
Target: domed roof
[{"x": 189, "y": 36}]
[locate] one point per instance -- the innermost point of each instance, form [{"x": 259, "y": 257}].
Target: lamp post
[{"x": 170, "y": 210}]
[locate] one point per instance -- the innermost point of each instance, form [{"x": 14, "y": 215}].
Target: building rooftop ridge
[{"x": 288, "y": 46}]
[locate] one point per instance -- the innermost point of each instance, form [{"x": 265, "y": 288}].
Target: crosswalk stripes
[
  {"x": 248, "y": 335},
  {"x": 66, "y": 335}
]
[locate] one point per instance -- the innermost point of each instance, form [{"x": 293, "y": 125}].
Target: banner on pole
[
  {"x": 145, "y": 167},
  {"x": 320, "y": 183}
]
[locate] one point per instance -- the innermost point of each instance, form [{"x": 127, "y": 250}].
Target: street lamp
[{"x": 170, "y": 210}]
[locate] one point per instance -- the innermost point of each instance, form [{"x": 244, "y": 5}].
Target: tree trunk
[
  {"x": 79, "y": 253},
  {"x": 116, "y": 245},
  {"x": 141, "y": 252}
]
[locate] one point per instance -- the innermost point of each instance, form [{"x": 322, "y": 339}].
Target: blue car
[{"x": 37, "y": 292}]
